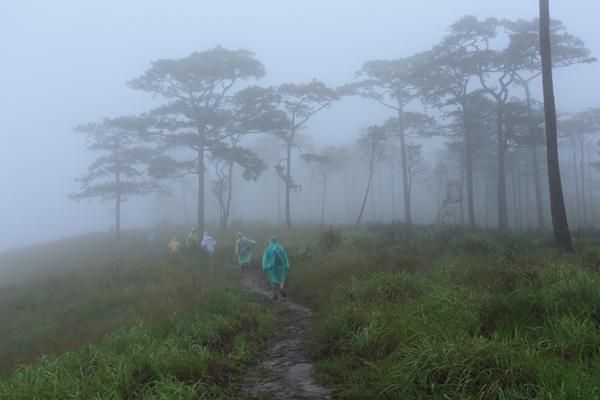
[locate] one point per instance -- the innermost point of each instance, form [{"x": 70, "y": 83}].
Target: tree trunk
[
  {"x": 462, "y": 189},
  {"x": 590, "y": 186},
  {"x": 118, "y": 209},
  {"x": 227, "y": 210},
  {"x": 380, "y": 192},
  {"x": 520, "y": 195},
  {"x": 393, "y": 189},
  {"x": 372, "y": 197},
  {"x": 528, "y": 223},
  {"x": 322, "y": 223},
  {"x": 201, "y": 171},
  {"x": 501, "y": 155},
  {"x": 539, "y": 200},
  {"x": 582, "y": 170},
  {"x": 487, "y": 201},
  {"x": 288, "y": 181},
  {"x": 279, "y": 211},
  {"x": 185, "y": 205},
  {"x": 576, "y": 207},
  {"x": 560, "y": 222},
  {"x": 513, "y": 179},
  {"x": 404, "y": 161},
  {"x": 469, "y": 169},
  {"x": 364, "y": 202},
  {"x": 534, "y": 160}
]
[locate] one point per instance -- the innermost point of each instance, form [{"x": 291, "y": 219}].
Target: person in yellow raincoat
[{"x": 174, "y": 245}]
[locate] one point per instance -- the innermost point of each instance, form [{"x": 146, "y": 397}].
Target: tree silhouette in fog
[{"x": 121, "y": 169}]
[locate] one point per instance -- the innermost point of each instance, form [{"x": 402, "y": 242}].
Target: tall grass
[
  {"x": 453, "y": 315},
  {"x": 59, "y": 296},
  {"x": 144, "y": 325},
  {"x": 195, "y": 355},
  {"x": 426, "y": 314}
]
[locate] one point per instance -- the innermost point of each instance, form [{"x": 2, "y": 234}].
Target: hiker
[
  {"x": 275, "y": 263},
  {"x": 150, "y": 237},
  {"x": 191, "y": 242},
  {"x": 174, "y": 245},
  {"x": 243, "y": 251},
  {"x": 208, "y": 243}
]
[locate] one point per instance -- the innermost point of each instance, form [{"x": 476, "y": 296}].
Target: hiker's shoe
[{"x": 283, "y": 294}]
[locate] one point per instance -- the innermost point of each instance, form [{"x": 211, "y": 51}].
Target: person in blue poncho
[{"x": 275, "y": 264}]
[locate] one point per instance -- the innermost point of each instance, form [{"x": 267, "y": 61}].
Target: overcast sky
[{"x": 65, "y": 62}]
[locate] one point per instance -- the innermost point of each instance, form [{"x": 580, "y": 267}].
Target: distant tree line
[{"x": 474, "y": 88}]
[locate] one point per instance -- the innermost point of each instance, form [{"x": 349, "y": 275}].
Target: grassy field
[
  {"x": 447, "y": 314},
  {"x": 58, "y": 296},
  {"x": 192, "y": 355},
  {"x": 76, "y": 323},
  {"x": 441, "y": 313}
]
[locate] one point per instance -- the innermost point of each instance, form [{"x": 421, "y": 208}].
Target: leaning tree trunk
[
  {"x": 560, "y": 222},
  {"x": 200, "y": 222},
  {"x": 404, "y": 161},
  {"x": 364, "y": 202}
]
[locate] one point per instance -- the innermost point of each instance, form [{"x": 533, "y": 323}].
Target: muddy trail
[{"x": 286, "y": 371}]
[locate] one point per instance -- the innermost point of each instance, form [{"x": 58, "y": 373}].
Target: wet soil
[{"x": 286, "y": 371}]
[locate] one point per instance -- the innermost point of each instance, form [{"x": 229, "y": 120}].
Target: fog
[{"x": 66, "y": 63}]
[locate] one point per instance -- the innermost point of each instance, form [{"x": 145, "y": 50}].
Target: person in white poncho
[{"x": 208, "y": 243}]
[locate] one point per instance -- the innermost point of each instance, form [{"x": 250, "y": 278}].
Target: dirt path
[{"x": 286, "y": 371}]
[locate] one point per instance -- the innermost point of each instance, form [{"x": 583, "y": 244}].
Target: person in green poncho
[
  {"x": 243, "y": 251},
  {"x": 275, "y": 264},
  {"x": 191, "y": 242}
]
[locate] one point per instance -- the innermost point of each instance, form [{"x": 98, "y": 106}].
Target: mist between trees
[{"x": 465, "y": 143}]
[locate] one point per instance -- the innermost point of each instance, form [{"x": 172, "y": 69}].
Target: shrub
[
  {"x": 475, "y": 243},
  {"x": 330, "y": 239}
]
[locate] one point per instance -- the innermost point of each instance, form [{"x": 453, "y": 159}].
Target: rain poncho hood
[{"x": 275, "y": 261}]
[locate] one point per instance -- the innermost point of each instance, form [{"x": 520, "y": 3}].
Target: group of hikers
[
  {"x": 192, "y": 242},
  {"x": 274, "y": 261}
]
